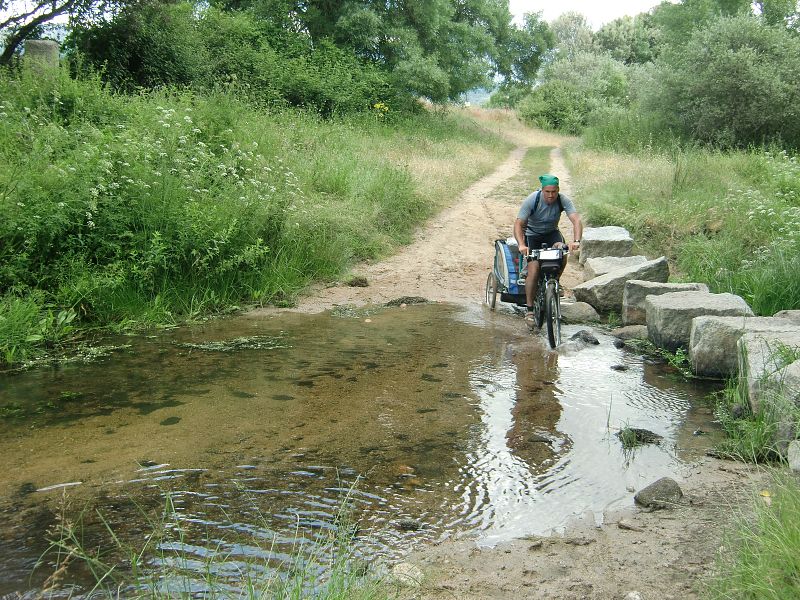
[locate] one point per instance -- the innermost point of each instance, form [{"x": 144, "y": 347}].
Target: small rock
[
  {"x": 619, "y": 367},
  {"x": 635, "y": 436},
  {"x": 618, "y": 343},
  {"x": 579, "y": 312},
  {"x": 407, "y": 300},
  {"x": 628, "y": 525},
  {"x": 409, "y": 525},
  {"x": 586, "y": 336},
  {"x": 664, "y": 493},
  {"x": 631, "y": 332},
  {"x": 634, "y": 596},
  {"x": 407, "y": 575},
  {"x": 358, "y": 281},
  {"x": 579, "y": 541}
]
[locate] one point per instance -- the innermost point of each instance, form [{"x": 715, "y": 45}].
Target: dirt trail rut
[{"x": 452, "y": 254}]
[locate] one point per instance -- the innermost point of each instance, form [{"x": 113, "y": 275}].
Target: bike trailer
[{"x": 507, "y": 261}]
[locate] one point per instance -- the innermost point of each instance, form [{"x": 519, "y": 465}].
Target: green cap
[{"x": 548, "y": 179}]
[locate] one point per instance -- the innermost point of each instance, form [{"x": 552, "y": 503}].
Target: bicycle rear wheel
[
  {"x": 553, "y": 316},
  {"x": 491, "y": 291}
]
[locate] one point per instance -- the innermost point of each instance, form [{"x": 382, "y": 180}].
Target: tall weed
[
  {"x": 762, "y": 553},
  {"x": 160, "y": 206},
  {"x": 731, "y": 220},
  {"x": 169, "y": 561}
]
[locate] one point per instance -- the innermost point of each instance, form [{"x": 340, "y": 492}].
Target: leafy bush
[
  {"x": 166, "y": 44},
  {"x": 624, "y": 129},
  {"x": 597, "y": 76},
  {"x": 556, "y": 105},
  {"x": 165, "y": 205}
]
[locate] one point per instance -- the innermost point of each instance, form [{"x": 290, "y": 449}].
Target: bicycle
[
  {"x": 547, "y": 304},
  {"x": 507, "y": 279}
]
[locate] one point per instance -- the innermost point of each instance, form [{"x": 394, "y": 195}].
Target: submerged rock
[
  {"x": 586, "y": 336},
  {"x": 407, "y": 300},
  {"x": 634, "y": 436}
]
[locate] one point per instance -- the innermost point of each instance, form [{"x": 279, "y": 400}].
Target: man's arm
[
  {"x": 577, "y": 230},
  {"x": 519, "y": 235}
]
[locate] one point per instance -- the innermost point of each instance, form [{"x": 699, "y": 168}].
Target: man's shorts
[{"x": 535, "y": 241}]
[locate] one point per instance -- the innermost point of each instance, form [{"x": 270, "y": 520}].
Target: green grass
[
  {"x": 731, "y": 220},
  {"x": 750, "y": 436},
  {"x": 161, "y": 207},
  {"x": 761, "y": 557},
  {"x": 760, "y": 435}
]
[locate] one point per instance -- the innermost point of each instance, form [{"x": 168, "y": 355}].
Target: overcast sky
[{"x": 598, "y": 12}]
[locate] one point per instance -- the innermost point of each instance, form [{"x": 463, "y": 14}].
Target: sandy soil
[{"x": 634, "y": 553}]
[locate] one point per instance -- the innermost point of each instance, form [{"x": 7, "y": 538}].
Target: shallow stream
[{"x": 429, "y": 422}]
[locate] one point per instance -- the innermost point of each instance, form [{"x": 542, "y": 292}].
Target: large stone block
[
  {"x": 669, "y": 316},
  {"x": 636, "y": 292},
  {"x": 594, "y": 267},
  {"x": 41, "y": 53},
  {"x": 767, "y": 367},
  {"x": 605, "y": 241},
  {"x": 578, "y": 312},
  {"x": 605, "y": 292},
  {"x": 792, "y": 315},
  {"x": 713, "y": 341}
]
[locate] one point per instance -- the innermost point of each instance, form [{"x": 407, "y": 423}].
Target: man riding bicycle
[{"x": 537, "y": 224}]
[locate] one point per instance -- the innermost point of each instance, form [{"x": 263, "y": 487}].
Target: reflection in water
[
  {"x": 431, "y": 421},
  {"x": 518, "y": 441}
]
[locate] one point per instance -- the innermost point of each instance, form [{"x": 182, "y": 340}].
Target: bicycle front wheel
[
  {"x": 539, "y": 306},
  {"x": 553, "y": 315}
]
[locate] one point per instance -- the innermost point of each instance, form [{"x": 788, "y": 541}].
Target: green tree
[
  {"x": 147, "y": 44},
  {"x": 572, "y": 35},
  {"x": 779, "y": 12},
  {"x": 556, "y": 105},
  {"x": 676, "y": 23},
  {"x": 735, "y": 83},
  {"x": 522, "y": 51},
  {"x": 434, "y": 48},
  {"x": 596, "y": 76},
  {"x": 631, "y": 40}
]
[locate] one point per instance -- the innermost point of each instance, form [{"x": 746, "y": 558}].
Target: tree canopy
[{"x": 433, "y": 48}]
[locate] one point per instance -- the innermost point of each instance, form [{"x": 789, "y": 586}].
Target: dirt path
[
  {"x": 660, "y": 555},
  {"x": 451, "y": 257}
]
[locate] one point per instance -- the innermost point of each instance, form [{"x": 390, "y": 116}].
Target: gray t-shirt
[{"x": 545, "y": 220}]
